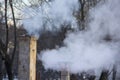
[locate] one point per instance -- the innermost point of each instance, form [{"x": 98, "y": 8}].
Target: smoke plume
[
  {"x": 93, "y": 49},
  {"x": 49, "y": 16}
]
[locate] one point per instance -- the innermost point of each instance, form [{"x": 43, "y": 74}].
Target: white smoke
[
  {"x": 49, "y": 16},
  {"x": 1, "y": 1},
  {"x": 86, "y": 50}
]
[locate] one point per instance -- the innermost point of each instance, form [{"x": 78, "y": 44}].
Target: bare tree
[{"x": 8, "y": 58}]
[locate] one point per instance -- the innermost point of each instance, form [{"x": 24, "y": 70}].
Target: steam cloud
[
  {"x": 1, "y": 1},
  {"x": 83, "y": 50},
  {"x": 49, "y": 16},
  {"x": 88, "y": 50}
]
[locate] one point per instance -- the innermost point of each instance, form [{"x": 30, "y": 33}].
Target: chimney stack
[
  {"x": 27, "y": 58},
  {"x": 65, "y": 75}
]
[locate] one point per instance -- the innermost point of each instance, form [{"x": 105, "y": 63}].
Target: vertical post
[
  {"x": 33, "y": 58},
  {"x": 27, "y": 58},
  {"x": 65, "y": 75},
  {"x": 114, "y": 72}
]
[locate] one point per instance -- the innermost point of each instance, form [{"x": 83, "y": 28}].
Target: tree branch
[
  {"x": 15, "y": 35},
  {"x": 2, "y": 49},
  {"x": 6, "y": 25}
]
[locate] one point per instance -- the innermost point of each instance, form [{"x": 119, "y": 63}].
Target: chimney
[
  {"x": 65, "y": 75},
  {"x": 27, "y": 58}
]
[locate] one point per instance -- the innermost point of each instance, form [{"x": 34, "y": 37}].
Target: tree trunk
[
  {"x": 1, "y": 64},
  {"x": 9, "y": 68},
  {"x": 114, "y": 73}
]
